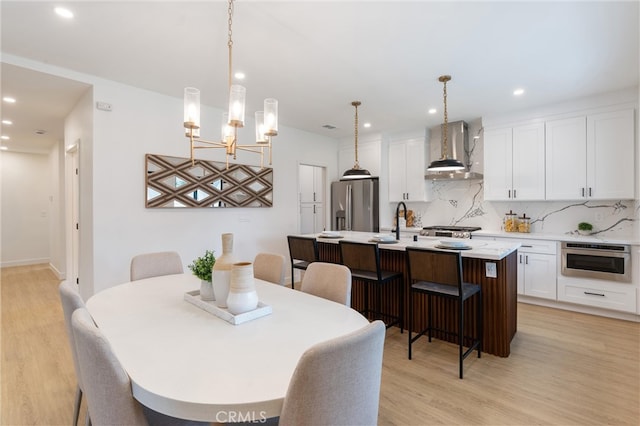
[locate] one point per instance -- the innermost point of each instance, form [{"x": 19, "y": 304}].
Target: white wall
[
  {"x": 114, "y": 223},
  {"x": 25, "y": 208}
]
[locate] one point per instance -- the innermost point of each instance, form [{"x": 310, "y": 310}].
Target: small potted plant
[
  {"x": 585, "y": 228},
  {"x": 201, "y": 268}
]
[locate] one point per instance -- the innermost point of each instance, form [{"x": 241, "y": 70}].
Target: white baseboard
[
  {"x": 60, "y": 275},
  {"x": 579, "y": 308},
  {"x": 24, "y": 262}
]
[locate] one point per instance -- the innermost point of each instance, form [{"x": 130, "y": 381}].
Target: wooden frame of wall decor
[{"x": 174, "y": 182}]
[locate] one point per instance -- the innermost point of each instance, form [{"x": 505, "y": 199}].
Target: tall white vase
[
  {"x": 222, "y": 271},
  {"x": 242, "y": 292}
]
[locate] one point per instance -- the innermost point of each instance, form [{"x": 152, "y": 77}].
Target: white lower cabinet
[
  {"x": 537, "y": 268},
  {"x": 598, "y": 293}
]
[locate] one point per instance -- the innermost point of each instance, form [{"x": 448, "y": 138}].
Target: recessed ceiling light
[
  {"x": 367, "y": 125},
  {"x": 4, "y": 137},
  {"x": 7, "y": 122},
  {"x": 9, "y": 100},
  {"x": 63, "y": 12},
  {"x": 239, "y": 75},
  {"x": 518, "y": 92},
  {"x": 3, "y": 148},
  {"x": 433, "y": 111}
]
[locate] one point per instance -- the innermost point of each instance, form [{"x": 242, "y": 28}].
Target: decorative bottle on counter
[
  {"x": 242, "y": 292},
  {"x": 222, "y": 271}
]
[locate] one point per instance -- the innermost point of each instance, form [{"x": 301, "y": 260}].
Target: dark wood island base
[{"x": 499, "y": 298}]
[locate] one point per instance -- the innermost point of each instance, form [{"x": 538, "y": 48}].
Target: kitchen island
[{"x": 499, "y": 289}]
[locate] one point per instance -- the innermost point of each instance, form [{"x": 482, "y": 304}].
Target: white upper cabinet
[
  {"x": 406, "y": 170},
  {"x": 611, "y": 155},
  {"x": 591, "y": 157},
  {"x": 514, "y": 163}
]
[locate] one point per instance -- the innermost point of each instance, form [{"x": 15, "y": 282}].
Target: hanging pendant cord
[
  {"x": 356, "y": 104},
  {"x": 230, "y": 42},
  {"x": 445, "y": 154}
]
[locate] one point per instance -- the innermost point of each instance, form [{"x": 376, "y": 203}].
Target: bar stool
[
  {"x": 364, "y": 261},
  {"x": 439, "y": 273},
  {"x": 303, "y": 251}
]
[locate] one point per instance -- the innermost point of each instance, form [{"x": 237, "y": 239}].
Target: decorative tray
[
  {"x": 330, "y": 234},
  {"x": 375, "y": 240},
  {"x": 193, "y": 297}
]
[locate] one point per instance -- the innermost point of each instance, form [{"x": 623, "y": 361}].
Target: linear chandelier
[{"x": 266, "y": 121}]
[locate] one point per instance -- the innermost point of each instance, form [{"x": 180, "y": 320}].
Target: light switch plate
[{"x": 491, "y": 270}]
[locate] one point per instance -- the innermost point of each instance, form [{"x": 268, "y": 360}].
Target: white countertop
[
  {"x": 490, "y": 250},
  {"x": 597, "y": 238}
]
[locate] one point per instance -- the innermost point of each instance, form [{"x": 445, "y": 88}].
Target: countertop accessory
[
  {"x": 330, "y": 234},
  {"x": 262, "y": 310},
  {"x": 585, "y": 228}
]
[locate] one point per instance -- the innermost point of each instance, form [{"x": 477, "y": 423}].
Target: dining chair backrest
[
  {"x": 328, "y": 280},
  {"x": 106, "y": 384},
  {"x": 269, "y": 267},
  {"x": 71, "y": 300},
  {"x": 155, "y": 264},
  {"x": 337, "y": 382}
]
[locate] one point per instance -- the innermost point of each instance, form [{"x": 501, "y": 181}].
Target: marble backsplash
[{"x": 462, "y": 203}]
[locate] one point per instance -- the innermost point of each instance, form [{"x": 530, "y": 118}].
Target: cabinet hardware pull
[
  {"x": 520, "y": 259},
  {"x": 583, "y": 192},
  {"x": 589, "y": 191},
  {"x": 526, "y": 246},
  {"x": 514, "y": 193},
  {"x": 314, "y": 209},
  {"x": 593, "y": 294},
  {"x": 526, "y": 260},
  {"x": 509, "y": 191},
  {"x": 314, "y": 196}
]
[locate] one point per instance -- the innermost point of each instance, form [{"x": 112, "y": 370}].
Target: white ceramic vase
[
  {"x": 222, "y": 271},
  {"x": 206, "y": 290},
  {"x": 242, "y": 292}
]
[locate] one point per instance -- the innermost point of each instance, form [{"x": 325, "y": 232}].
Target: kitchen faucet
[{"x": 401, "y": 203}]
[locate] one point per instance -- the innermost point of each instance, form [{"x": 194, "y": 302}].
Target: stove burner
[{"x": 449, "y": 231}]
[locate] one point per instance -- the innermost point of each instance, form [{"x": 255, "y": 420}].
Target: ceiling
[{"x": 316, "y": 57}]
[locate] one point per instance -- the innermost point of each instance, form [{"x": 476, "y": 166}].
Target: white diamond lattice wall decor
[{"x": 174, "y": 182}]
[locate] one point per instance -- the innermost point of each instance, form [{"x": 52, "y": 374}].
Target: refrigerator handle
[{"x": 348, "y": 209}]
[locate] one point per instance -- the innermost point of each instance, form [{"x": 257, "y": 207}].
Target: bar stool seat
[
  {"x": 363, "y": 259},
  {"x": 439, "y": 273}
]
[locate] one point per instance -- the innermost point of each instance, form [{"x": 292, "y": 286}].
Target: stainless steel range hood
[{"x": 460, "y": 149}]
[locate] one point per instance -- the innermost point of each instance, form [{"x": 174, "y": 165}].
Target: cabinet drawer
[
  {"x": 538, "y": 246},
  {"x": 619, "y": 297}
]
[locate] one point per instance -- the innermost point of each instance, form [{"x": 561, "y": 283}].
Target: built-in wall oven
[{"x": 596, "y": 260}]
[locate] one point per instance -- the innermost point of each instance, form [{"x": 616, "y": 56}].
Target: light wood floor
[{"x": 565, "y": 368}]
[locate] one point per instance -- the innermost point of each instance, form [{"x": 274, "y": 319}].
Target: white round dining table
[{"x": 188, "y": 363}]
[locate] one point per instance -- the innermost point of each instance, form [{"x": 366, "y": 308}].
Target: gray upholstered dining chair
[
  {"x": 107, "y": 386},
  {"x": 343, "y": 376},
  {"x": 155, "y": 264},
  {"x": 328, "y": 280},
  {"x": 71, "y": 300},
  {"x": 269, "y": 267}
]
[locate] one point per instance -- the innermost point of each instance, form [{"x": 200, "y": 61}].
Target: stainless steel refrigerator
[{"x": 355, "y": 205}]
